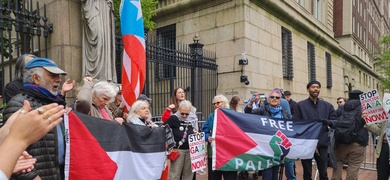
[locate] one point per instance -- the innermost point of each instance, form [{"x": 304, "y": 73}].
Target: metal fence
[
  {"x": 187, "y": 66},
  {"x": 24, "y": 29}
]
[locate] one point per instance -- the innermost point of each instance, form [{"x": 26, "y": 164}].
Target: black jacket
[
  {"x": 351, "y": 104},
  {"x": 265, "y": 111},
  {"x": 321, "y": 110},
  {"x": 12, "y": 88},
  {"x": 45, "y": 150},
  {"x": 292, "y": 104}
]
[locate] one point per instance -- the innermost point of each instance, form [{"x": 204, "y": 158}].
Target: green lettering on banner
[
  {"x": 249, "y": 162},
  {"x": 378, "y": 103}
]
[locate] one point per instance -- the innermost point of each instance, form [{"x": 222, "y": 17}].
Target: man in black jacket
[
  {"x": 352, "y": 153},
  {"x": 315, "y": 108},
  {"x": 291, "y": 102},
  {"x": 40, "y": 78}
]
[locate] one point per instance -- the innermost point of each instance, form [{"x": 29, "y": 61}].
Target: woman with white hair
[
  {"x": 219, "y": 101},
  {"x": 182, "y": 126},
  {"x": 140, "y": 114},
  {"x": 93, "y": 99}
]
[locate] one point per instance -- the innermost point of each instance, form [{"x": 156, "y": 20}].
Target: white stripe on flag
[
  {"x": 300, "y": 149},
  {"x": 67, "y": 146},
  {"x": 149, "y": 165},
  {"x": 141, "y": 40},
  {"x": 127, "y": 65}
]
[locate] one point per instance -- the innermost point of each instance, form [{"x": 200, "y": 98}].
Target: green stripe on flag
[{"x": 251, "y": 162}]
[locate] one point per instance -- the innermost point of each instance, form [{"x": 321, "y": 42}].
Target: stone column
[{"x": 64, "y": 44}]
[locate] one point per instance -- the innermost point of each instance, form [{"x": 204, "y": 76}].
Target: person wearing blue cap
[{"x": 40, "y": 77}]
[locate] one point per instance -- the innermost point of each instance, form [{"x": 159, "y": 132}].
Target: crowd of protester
[{"x": 34, "y": 98}]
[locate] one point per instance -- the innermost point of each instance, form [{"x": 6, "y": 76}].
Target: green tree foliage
[
  {"x": 383, "y": 64},
  {"x": 148, "y": 6}
]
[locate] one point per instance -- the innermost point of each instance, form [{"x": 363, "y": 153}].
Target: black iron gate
[
  {"x": 187, "y": 66},
  {"x": 24, "y": 29}
]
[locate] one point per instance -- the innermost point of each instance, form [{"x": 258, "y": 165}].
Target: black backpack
[{"x": 346, "y": 131}]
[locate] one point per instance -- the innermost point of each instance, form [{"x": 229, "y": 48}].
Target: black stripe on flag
[{"x": 128, "y": 137}]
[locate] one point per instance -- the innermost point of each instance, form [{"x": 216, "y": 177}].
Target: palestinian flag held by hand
[
  {"x": 101, "y": 149},
  {"x": 245, "y": 142}
]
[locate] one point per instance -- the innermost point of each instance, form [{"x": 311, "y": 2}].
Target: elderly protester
[
  {"x": 117, "y": 107},
  {"x": 275, "y": 110},
  {"x": 219, "y": 101},
  {"x": 40, "y": 77},
  {"x": 140, "y": 114},
  {"x": 93, "y": 99},
  {"x": 181, "y": 127}
]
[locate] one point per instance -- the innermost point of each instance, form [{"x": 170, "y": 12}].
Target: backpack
[{"x": 346, "y": 131}]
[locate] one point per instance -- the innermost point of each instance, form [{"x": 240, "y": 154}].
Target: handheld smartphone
[{"x": 262, "y": 97}]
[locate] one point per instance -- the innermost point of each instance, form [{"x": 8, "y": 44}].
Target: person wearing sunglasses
[
  {"x": 341, "y": 101},
  {"x": 182, "y": 126},
  {"x": 271, "y": 109},
  {"x": 219, "y": 101}
]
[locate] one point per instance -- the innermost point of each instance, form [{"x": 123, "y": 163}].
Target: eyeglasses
[
  {"x": 218, "y": 102},
  {"x": 274, "y": 97},
  {"x": 184, "y": 114}
]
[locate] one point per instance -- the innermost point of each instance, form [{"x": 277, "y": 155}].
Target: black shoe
[{"x": 243, "y": 175}]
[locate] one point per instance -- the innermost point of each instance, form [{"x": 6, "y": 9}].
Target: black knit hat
[
  {"x": 355, "y": 94},
  {"x": 311, "y": 83},
  {"x": 288, "y": 93}
]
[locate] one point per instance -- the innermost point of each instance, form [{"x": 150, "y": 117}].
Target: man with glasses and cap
[{"x": 40, "y": 78}]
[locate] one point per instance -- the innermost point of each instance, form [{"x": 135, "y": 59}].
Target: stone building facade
[{"x": 287, "y": 42}]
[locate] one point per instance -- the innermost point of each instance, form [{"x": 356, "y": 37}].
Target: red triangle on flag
[
  {"x": 87, "y": 159},
  {"x": 230, "y": 140}
]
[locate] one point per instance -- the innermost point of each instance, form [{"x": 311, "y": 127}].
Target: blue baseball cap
[{"x": 45, "y": 63}]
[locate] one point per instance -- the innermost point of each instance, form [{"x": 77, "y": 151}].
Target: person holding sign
[
  {"x": 181, "y": 127},
  {"x": 381, "y": 149},
  {"x": 350, "y": 146},
  {"x": 219, "y": 101}
]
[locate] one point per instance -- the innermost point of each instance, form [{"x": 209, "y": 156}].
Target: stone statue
[{"x": 98, "y": 44}]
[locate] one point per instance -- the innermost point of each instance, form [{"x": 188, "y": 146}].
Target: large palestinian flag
[
  {"x": 101, "y": 149},
  {"x": 245, "y": 142}
]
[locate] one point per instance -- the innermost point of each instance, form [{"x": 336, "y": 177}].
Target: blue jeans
[{"x": 289, "y": 168}]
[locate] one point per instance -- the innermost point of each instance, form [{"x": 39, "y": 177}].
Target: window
[
  {"x": 311, "y": 61},
  {"x": 287, "y": 60},
  {"x": 317, "y": 9},
  {"x": 300, "y": 2},
  {"x": 328, "y": 58},
  {"x": 166, "y": 38}
]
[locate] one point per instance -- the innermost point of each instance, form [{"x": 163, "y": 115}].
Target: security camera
[
  {"x": 246, "y": 82},
  {"x": 244, "y": 79}
]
